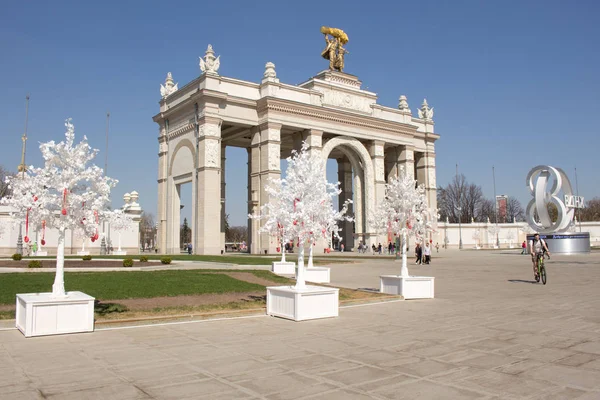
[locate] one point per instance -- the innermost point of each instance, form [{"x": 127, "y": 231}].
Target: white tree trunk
[
  {"x": 282, "y": 251},
  {"x": 58, "y": 288},
  {"x": 404, "y": 269},
  {"x": 82, "y": 244},
  {"x": 300, "y": 282},
  {"x": 310, "y": 257},
  {"x": 119, "y": 241}
]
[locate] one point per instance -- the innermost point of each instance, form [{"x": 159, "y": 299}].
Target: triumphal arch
[{"x": 330, "y": 111}]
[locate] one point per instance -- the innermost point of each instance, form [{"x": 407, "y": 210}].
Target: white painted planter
[
  {"x": 41, "y": 253},
  {"x": 311, "y": 302},
  {"x": 283, "y": 268},
  {"x": 83, "y": 253},
  {"x": 40, "y": 314},
  {"x": 317, "y": 274},
  {"x": 120, "y": 253},
  {"x": 410, "y": 287}
]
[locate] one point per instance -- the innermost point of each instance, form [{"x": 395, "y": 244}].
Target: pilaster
[
  {"x": 406, "y": 160},
  {"x": 208, "y": 188},
  {"x": 270, "y": 156},
  {"x": 223, "y": 195}
]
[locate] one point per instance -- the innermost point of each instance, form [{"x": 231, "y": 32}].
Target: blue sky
[{"x": 514, "y": 83}]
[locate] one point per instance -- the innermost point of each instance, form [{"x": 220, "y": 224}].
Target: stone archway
[
  {"x": 364, "y": 179},
  {"x": 181, "y": 171}
]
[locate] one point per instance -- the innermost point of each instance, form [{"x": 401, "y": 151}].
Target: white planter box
[
  {"x": 317, "y": 275},
  {"x": 83, "y": 253},
  {"x": 39, "y": 314},
  {"x": 283, "y": 268},
  {"x": 311, "y": 302},
  {"x": 41, "y": 253},
  {"x": 120, "y": 253},
  {"x": 410, "y": 287}
]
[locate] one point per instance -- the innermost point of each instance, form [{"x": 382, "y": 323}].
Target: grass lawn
[{"x": 126, "y": 285}]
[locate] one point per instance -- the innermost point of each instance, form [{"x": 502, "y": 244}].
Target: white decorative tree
[
  {"x": 476, "y": 236},
  {"x": 493, "y": 231},
  {"x": 404, "y": 212},
  {"x": 65, "y": 194},
  {"x": 120, "y": 222},
  {"x": 305, "y": 199}
]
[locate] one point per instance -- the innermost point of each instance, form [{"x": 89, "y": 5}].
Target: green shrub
[
  {"x": 128, "y": 262},
  {"x": 86, "y": 258},
  {"x": 109, "y": 308},
  {"x": 35, "y": 264},
  {"x": 165, "y": 260},
  {"x": 17, "y": 257},
  {"x": 143, "y": 259}
]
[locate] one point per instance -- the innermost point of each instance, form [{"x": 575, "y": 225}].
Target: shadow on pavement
[{"x": 520, "y": 281}]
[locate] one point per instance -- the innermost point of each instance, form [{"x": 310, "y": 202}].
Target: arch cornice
[{"x": 182, "y": 143}]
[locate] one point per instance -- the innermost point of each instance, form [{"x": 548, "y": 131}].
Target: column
[
  {"x": 223, "y": 159},
  {"x": 270, "y": 154},
  {"x": 254, "y": 190},
  {"x": 161, "y": 214},
  {"x": 406, "y": 160},
  {"x": 345, "y": 179},
  {"x": 208, "y": 190},
  {"x": 252, "y": 206},
  {"x": 430, "y": 182},
  {"x": 376, "y": 150},
  {"x": 420, "y": 167}
]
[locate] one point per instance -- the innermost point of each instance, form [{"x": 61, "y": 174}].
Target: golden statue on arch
[{"x": 334, "y": 52}]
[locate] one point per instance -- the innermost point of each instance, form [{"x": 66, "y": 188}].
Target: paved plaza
[{"x": 490, "y": 334}]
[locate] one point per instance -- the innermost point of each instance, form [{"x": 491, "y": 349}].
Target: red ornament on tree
[
  {"x": 43, "y": 242},
  {"x": 26, "y": 239}
]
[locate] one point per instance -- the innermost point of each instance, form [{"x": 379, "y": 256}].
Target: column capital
[
  {"x": 376, "y": 148},
  {"x": 270, "y": 125},
  {"x": 209, "y": 119}
]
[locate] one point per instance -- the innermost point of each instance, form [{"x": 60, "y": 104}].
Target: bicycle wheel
[{"x": 543, "y": 274}]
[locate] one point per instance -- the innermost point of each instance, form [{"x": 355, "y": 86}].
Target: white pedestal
[
  {"x": 120, "y": 253},
  {"x": 39, "y": 314},
  {"x": 317, "y": 275},
  {"x": 41, "y": 254},
  {"x": 283, "y": 268},
  {"x": 83, "y": 253},
  {"x": 410, "y": 287},
  {"x": 311, "y": 302}
]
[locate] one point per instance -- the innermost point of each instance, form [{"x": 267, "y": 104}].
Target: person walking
[
  {"x": 524, "y": 248},
  {"x": 379, "y": 248},
  {"x": 437, "y": 247},
  {"x": 427, "y": 253},
  {"x": 418, "y": 253}
]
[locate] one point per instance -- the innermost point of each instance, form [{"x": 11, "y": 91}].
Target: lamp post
[
  {"x": 496, "y": 208},
  {"x": 22, "y": 168},
  {"x": 459, "y": 209}
]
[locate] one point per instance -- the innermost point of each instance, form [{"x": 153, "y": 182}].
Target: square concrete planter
[
  {"x": 41, "y": 254},
  {"x": 120, "y": 253},
  {"x": 312, "y": 302},
  {"x": 410, "y": 287},
  {"x": 83, "y": 253},
  {"x": 40, "y": 314},
  {"x": 317, "y": 275},
  {"x": 283, "y": 268}
]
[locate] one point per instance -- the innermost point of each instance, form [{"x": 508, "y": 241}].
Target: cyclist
[{"x": 537, "y": 247}]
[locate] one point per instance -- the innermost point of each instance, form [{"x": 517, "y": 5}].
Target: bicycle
[{"x": 541, "y": 270}]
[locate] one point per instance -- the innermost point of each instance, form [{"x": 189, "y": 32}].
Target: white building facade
[{"x": 331, "y": 112}]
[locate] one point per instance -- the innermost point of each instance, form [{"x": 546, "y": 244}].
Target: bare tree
[
  {"x": 486, "y": 210},
  {"x": 237, "y": 234},
  {"x": 514, "y": 210},
  {"x": 4, "y": 189},
  {"x": 591, "y": 212},
  {"x": 147, "y": 229},
  {"x": 472, "y": 199}
]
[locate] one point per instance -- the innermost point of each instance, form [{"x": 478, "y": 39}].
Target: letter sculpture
[{"x": 541, "y": 197}]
